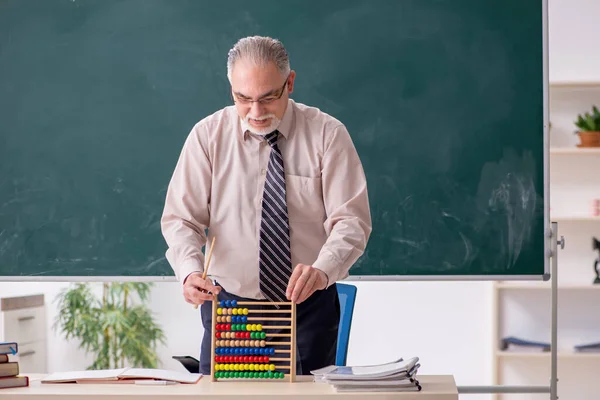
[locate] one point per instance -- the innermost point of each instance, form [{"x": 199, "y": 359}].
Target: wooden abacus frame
[{"x": 279, "y": 308}]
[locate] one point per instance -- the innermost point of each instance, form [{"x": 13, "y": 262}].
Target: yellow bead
[
  {"x": 259, "y": 327},
  {"x": 261, "y": 367},
  {"x": 272, "y": 367},
  {"x": 234, "y": 311},
  {"x": 245, "y": 311},
  {"x": 219, "y": 311}
]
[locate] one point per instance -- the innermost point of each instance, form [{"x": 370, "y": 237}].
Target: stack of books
[
  {"x": 395, "y": 376},
  {"x": 9, "y": 370}
]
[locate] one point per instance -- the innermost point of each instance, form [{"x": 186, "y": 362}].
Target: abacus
[{"x": 244, "y": 346}]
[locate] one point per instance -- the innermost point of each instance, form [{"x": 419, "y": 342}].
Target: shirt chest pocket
[{"x": 304, "y": 198}]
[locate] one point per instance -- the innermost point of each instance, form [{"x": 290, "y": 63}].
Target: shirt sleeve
[
  {"x": 186, "y": 215},
  {"x": 348, "y": 223}
]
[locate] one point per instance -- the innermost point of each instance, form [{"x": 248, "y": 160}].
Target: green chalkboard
[{"x": 443, "y": 99}]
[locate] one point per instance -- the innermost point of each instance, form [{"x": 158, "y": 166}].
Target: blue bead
[
  {"x": 272, "y": 350},
  {"x": 227, "y": 303},
  {"x": 233, "y": 303},
  {"x": 222, "y": 303},
  {"x": 244, "y": 319},
  {"x": 228, "y": 350},
  {"x": 237, "y": 319}
]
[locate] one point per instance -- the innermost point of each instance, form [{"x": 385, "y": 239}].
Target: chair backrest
[{"x": 347, "y": 295}]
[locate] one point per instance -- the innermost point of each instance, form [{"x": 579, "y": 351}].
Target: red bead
[
  {"x": 247, "y": 334},
  {"x": 218, "y": 327},
  {"x": 266, "y": 359},
  {"x": 218, "y": 335},
  {"x": 228, "y": 327},
  {"x": 229, "y": 359},
  {"x": 236, "y": 359},
  {"x": 246, "y": 359}
]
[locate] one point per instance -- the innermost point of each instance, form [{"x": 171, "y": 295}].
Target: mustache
[{"x": 263, "y": 117}]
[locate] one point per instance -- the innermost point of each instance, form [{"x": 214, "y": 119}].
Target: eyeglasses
[{"x": 263, "y": 101}]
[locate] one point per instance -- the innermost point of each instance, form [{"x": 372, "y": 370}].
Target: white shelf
[
  {"x": 575, "y": 218},
  {"x": 575, "y": 150},
  {"x": 545, "y": 354},
  {"x": 574, "y": 84},
  {"x": 546, "y": 286}
]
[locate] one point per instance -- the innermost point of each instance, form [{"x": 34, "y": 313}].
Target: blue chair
[{"x": 347, "y": 295}]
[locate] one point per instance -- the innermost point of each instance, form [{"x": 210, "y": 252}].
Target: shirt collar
[{"x": 284, "y": 127}]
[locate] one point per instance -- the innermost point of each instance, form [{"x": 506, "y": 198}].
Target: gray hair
[{"x": 259, "y": 50}]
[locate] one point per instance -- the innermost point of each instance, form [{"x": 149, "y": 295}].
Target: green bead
[
  {"x": 252, "y": 335},
  {"x": 263, "y": 335},
  {"x": 235, "y": 327},
  {"x": 246, "y": 374},
  {"x": 262, "y": 375},
  {"x": 243, "y": 327},
  {"x": 255, "y": 375}
]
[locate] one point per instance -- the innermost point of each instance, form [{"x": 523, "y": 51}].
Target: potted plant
[
  {"x": 589, "y": 128},
  {"x": 118, "y": 328}
]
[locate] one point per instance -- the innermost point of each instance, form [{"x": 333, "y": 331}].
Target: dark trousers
[{"x": 317, "y": 320}]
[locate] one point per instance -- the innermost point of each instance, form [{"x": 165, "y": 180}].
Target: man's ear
[{"x": 290, "y": 86}]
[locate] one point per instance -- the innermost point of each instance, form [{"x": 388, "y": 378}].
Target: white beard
[{"x": 260, "y": 131}]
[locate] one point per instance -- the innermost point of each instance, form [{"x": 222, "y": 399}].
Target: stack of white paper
[{"x": 394, "y": 376}]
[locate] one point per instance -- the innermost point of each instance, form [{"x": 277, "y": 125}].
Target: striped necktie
[{"x": 274, "y": 259}]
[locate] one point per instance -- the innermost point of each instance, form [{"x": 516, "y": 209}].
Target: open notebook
[{"x": 121, "y": 375}]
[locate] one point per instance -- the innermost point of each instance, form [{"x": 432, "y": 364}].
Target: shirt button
[{"x": 263, "y": 171}]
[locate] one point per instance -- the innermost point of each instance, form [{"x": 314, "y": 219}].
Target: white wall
[
  {"x": 573, "y": 38},
  {"x": 447, "y": 324}
]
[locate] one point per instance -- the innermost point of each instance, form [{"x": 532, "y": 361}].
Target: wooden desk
[{"x": 435, "y": 387}]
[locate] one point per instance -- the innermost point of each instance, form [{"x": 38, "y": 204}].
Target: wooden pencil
[{"x": 212, "y": 244}]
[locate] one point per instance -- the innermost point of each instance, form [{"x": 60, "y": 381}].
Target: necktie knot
[{"x": 271, "y": 138}]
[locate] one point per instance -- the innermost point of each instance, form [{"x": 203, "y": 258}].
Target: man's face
[{"x": 260, "y": 94}]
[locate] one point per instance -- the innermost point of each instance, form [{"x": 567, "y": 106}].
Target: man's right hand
[{"x": 196, "y": 289}]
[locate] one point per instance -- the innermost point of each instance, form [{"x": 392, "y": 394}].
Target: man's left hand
[{"x": 305, "y": 280}]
